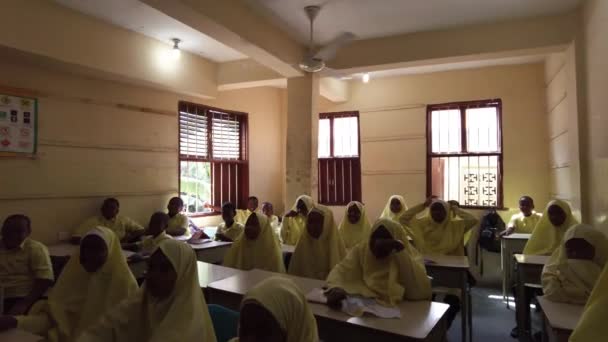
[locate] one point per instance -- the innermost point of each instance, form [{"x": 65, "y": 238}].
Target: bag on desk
[{"x": 489, "y": 229}]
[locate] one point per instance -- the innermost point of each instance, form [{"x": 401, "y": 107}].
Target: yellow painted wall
[
  {"x": 100, "y": 138},
  {"x": 393, "y": 129}
]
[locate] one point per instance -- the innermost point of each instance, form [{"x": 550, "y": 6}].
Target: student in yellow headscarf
[
  {"x": 592, "y": 325},
  {"x": 95, "y": 279},
  {"x": 575, "y": 266},
  {"x": 550, "y": 230},
  {"x": 294, "y": 221},
  {"x": 276, "y": 310},
  {"x": 170, "y": 306},
  {"x": 442, "y": 230},
  {"x": 320, "y": 247},
  {"x": 394, "y": 208},
  {"x": 354, "y": 227},
  {"x": 229, "y": 230},
  {"x": 257, "y": 248},
  {"x": 384, "y": 267}
]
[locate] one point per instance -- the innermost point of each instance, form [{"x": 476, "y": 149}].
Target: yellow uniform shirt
[
  {"x": 523, "y": 224},
  {"x": 120, "y": 225},
  {"x": 20, "y": 267},
  {"x": 149, "y": 243},
  {"x": 233, "y": 232},
  {"x": 178, "y": 222}
]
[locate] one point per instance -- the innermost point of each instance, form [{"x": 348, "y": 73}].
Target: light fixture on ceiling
[
  {"x": 175, "y": 51},
  {"x": 365, "y": 78}
]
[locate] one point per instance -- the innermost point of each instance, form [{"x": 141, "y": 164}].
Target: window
[
  {"x": 339, "y": 158},
  {"x": 464, "y": 153},
  {"x": 213, "y": 164}
]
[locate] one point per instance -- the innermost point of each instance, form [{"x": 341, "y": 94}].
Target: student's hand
[
  {"x": 291, "y": 213},
  {"x": 507, "y": 231},
  {"x": 335, "y": 297},
  {"x": 20, "y": 308},
  {"x": 7, "y": 323}
]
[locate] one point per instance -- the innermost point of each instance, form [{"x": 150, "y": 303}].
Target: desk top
[
  {"x": 288, "y": 248},
  {"x": 17, "y": 335},
  {"x": 210, "y": 245},
  {"x": 208, "y": 273},
  {"x": 532, "y": 259},
  {"x": 517, "y": 236},
  {"x": 64, "y": 249},
  {"x": 561, "y": 315},
  {"x": 448, "y": 261},
  {"x": 242, "y": 282}
]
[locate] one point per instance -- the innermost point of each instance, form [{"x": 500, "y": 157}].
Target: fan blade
[{"x": 330, "y": 50}]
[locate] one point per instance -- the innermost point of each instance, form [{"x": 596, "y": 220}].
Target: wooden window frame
[
  {"x": 462, "y": 106},
  {"x": 356, "y": 191},
  {"x": 243, "y": 161}
]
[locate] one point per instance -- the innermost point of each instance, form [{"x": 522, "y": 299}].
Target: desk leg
[
  {"x": 503, "y": 266},
  {"x": 522, "y": 308},
  {"x": 464, "y": 314},
  {"x": 470, "y": 314}
]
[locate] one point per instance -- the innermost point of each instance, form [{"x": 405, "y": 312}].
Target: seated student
[
  {"x": 394, "y": 208},
  {"x": 354, "y": 227},
  {"x": 276, "y": 310},
  {"x": 169, "y": 307},
  {"x": 592, "y": 324},
  {"x": 252, "y": 207},
  {"x": 294, "y": 221},
  {"x": 525, "y": 221},
  {"x": 575, "y": 265},
  {"x": 126, "y": 229},
  {"x": 320, "y": 247},
  {"x": 153, "y": 236},
  {"x": 229, "y": 230},
  {"x": 385, "y": 267},
  {"x": 257, "y": 248},
  {"x": 550, "y": 230},
  {"x": 95, "y": 279},
  {"x": 268, "y": 210},
  {"x": 26, "y": 272},
  {"x": 178, "y": 222}
]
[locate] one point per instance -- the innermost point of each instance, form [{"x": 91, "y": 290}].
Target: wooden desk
[
  {"x": 421, "y": 321},
  {"x": 510, "y": 245},
  {"x": 209, "y": 273},
  {"x": 211, "y": 252},
  {"x": 452, "y": 272},
  {"x": 529, "y": 269},
  {"x": 17, "y": 335},
  {"x": 559, "y": 319}
]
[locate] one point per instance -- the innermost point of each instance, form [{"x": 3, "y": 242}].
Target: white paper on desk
[{"x": 356, "y": 305}]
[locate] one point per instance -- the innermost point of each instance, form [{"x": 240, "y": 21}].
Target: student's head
[
  {"x": 15, "y": 229},
  {"x": 252, "y": 203},
  {"x": 93, "y": 251},
  {"x": 110, "y": 208},
  {"x": 161, "y": 276},
  {"x": 381, "y": 242},
  {"x": 583, "y": 242},
  {"x": 252, "y": 227},
  {"x": 175, "y": 206},
  {"x": 302, "y": 207},
  {"x": 438, "y": 211},
  {"x": 579, "y": 249},
  {"x": 159, "y": 221},
  {"x": 526, "y": 205},
  {"x": 228, "y": 212},
  {"x": 267, "y": 209},
  {"x": 396, "y": 205},
  {"x": 257, "y": 324},
  {"x": 557, "y": 215},
  {"x": 354, "y": 214},
  {"x": 314, "y": 223}
]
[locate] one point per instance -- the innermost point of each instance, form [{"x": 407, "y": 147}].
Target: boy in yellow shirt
[
  {"x": 154, "y": 235},
  {"x": 525, "y": 221},
  {"x": 252, "y": 207},
  {"x": 178, "y": 222},
  {"x": 229, "y": 230},
  {"x": 26, "y": 272},
  {"x": 126, "y": 229}
]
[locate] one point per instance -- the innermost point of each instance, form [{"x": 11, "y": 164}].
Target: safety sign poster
[{"x": 18, "y": 124}]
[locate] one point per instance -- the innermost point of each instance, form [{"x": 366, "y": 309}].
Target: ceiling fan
[{"x": 315, "y": 61}]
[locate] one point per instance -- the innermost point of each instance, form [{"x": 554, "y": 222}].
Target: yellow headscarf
[
  {"x": 571, "y": 281},
  {"x": 592, "y": 326},
  {"x": 79, "y": 298},
  {"x": 352, "y": 234},
  {"x": 288, "y": 306},
  {"x": 546, "y": 237},
  {"x": 400, "y": 276},
  {"x": 443, "y": 238},
  {"x": 183, "y": 316},
  {"x": 263, "y": 252},
  {"x": 314, "y": 258},
  {"x": 387, "y": 213},
  {"x": 292, "y": 227}
]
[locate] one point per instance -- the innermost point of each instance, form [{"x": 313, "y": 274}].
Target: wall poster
[{"x": 18, "y": 124}]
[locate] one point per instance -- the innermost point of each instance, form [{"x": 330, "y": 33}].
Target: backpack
[{"x": 489, "y": 229}]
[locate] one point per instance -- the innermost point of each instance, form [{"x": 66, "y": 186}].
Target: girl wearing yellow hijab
[
  {"x": 384, "y": 267},
  {"x": 257, "y": 248},
  {"x": 170, "y": 307},
  {"x": 442, "y": 230},
  {"x": 550, "y": 230},
  {"x": 294, "y": 221},
  {"x": 354, "y": 227},
  {"x": 320, "y": 247},
  {"x": 592, "y": 325},
  {"x": 95, "y": 279},
  {"x": 394, "y": 208},
  {"x": 276, "y": 310},
  {"x": 575, "y": 266}
]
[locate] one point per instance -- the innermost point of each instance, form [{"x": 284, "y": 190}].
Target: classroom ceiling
[
  {"x": 137, "y": 16},
  {"x": 379, "y": 18}
]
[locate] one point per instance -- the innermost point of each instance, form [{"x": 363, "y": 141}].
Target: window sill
[
  {"x": 483, "y": 208},
  {"x": 195, "y": 215}
]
